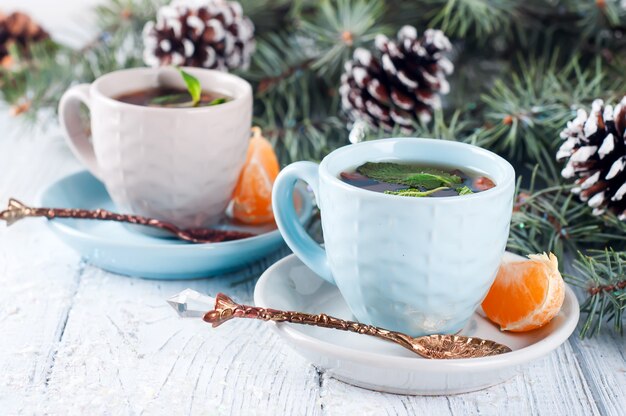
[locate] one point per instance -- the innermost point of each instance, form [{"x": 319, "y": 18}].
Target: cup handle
[
  {"x": 307, "y": 250},
  {"x": 76, "y": 136}
]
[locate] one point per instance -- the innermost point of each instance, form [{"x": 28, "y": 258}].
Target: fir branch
[
  {"x": 38, "y": 82},
  {"x": 597, "y": 16},
  {"x": 35, "y": 84},
  {"x": 269, "y": 82},
  {"x": 270, "y": 16},
  {"x": 526, "y": 113},
  {"x": 552, "y": 219},
  {"x": 271, "y": 68},
  {"x": 459, "y": 18},
  {"x": 602, "y": 275},
  {"x": 304, "y": 138},
  {"x": 297, "y": 108},
  {"x": 339, "y": 27},
  {"x": 455, "y": 126},
  {"x": 608, "y": 288}
]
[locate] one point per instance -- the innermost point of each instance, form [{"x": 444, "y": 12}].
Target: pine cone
[
  {"x": 20, "y": 30},
  {"x": 213, "y": 34},
  {"x": 595, "y": 151},
  {"x": 401, "y": 84}
]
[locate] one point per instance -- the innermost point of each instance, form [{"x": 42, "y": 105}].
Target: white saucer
[{"x": 379, "y": 365}]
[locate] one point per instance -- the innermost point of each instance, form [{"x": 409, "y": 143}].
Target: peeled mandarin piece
[
  {"x": 482, "y": 183},
  {"x": 526, "y": 294},
  {"x": 252, "y": 198}
]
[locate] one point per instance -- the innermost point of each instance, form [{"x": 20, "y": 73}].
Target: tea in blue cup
[{"x": 408, "y": 259}]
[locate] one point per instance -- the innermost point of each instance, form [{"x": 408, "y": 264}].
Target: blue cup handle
[{"x": 307, "y": 250}]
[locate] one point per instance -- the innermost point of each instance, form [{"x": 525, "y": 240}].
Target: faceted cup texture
[
  {"x": 179, "y": 165},
  {"x": 416, "y": 265}
]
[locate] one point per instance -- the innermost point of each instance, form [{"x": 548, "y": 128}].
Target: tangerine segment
[
  {"x": 526, "y": 294},
  {"x": 252, "y": 197}
]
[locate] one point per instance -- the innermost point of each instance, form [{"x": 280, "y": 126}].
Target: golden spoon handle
[
  {"x": 16, "y": 211},
  {"x": 226, "y": 309}
]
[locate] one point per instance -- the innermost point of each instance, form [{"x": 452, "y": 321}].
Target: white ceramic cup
[{"x": 174, "y": 164}]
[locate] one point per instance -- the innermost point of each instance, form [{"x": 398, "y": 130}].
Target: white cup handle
[{"x": 76, "y": 136}]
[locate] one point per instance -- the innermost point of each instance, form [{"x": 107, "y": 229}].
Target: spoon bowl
[{"x": 456, "y": 346}]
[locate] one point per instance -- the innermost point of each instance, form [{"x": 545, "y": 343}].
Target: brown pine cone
[
  {"x": 401, "y": 83},
  {"x": 20, "y": 30},
  {"x": 210, "y": 34},
  {"x": 596, "y": 156}
]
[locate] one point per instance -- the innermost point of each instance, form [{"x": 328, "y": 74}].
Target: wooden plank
[
  {"x": 124, "y": 351},
  {"x": 603, "y": 362},
  {"x": 38, "y": 276}
]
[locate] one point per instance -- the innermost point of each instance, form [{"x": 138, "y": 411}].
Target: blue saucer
[{"x": 119, "y": 249}]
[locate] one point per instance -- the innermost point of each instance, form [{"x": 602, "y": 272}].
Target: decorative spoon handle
[
  {"x": 192, "y": 304},
  {"x": 226, "y": 309},
  {"x": 16, "y": 211}
]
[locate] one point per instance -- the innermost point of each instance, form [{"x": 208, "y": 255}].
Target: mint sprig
[
  {"x": 193, "y": 86},
  {"x": 169, "y": 99},
  {"x": 416, "y": 193},
  {"x": 217, "y": 101},
  {"x": 464, "y": 190},
  {"x": 409, "y": 175}
]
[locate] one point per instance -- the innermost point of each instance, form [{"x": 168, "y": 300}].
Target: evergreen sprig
[
  {"x": 454, "y": 126},
  {"x": 602, "y": 276},
  {"x": 548, "y": 217},
  {"x": 33, "y": 87},
  {"x": 480, "y": 18},
  {"x": 525, "y": 113},
  {"x": 339, "y": 27},
  {"x": 296, "y": 108}
]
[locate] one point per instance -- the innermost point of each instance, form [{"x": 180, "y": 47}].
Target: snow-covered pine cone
[
  {"x": 401, "y": 83},
  {"x": 201, "y": 33},
  {"x": 20, "y": 30},
  {"x": 595, "y": 151}
]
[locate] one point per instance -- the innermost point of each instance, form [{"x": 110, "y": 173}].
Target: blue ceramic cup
[{"x": 416, "y": 265}]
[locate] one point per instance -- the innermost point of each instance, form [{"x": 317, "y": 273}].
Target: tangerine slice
[
  {"x": 252, "y": 197},
  {"x": 526, "y": 294}
]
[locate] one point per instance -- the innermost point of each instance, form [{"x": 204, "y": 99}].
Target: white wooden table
[{"x": 78, "y": 340}]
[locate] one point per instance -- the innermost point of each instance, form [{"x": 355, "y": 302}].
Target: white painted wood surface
[{"x": 77, "y": 340}]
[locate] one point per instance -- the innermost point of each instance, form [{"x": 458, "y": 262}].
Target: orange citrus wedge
[
  {"x": 526, "y": 294},
  {"x": 252, "y": 198}
]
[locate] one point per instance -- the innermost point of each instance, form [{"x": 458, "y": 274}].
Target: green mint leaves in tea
[
  {"x": 193, "y": 87},
  {"x": 170, "y": 97},
  {"x": 411, "y": 175},
  {"x": 416, "y": 180}
]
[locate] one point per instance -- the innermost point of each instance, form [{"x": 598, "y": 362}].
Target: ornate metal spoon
[
  {"x": 190, "y": 303},
  {"x": 17, "y": 211}
]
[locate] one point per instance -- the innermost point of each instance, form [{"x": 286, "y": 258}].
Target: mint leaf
[
  {"x": 193, "y": 86},
  {"x": 416, "y": 192},
  {"x": 217, "y": 101},
  {"x": 410, "y": 175},
  {"x": 431, "y": 180},
  {"x": 464, "y": 190},
  {"x": 168, "y": 99}
]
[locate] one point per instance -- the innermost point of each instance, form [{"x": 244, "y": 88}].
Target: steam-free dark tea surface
[
  {"x": 170, "y": 97},
  {"x": 417, "y": 180}
]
